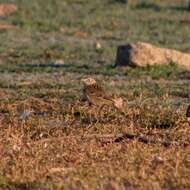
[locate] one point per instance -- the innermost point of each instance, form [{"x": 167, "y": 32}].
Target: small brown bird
[
  {"x": 95, "y": 95},
  {"x": 188, "y": 113}
]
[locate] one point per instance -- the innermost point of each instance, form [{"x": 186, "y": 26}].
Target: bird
[
  {"x": 95, "y": 95},
  {"x": 188, "y": 113}
]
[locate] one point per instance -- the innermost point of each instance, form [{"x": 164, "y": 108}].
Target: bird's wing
[{"x": 97, "y": 96}]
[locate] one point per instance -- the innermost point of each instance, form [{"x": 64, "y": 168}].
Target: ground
[{"x": 50, "y": 138}]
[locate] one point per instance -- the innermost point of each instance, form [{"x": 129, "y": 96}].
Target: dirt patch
[
  {"x": 6, "y": 9},
  {"x": 4, "y": 26}
]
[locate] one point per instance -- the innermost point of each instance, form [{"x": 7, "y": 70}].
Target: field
[{"x": 51, "y": 139}]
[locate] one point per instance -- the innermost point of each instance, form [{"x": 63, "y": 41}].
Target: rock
[
  {"x": 98, "y": 46},
  {"x": 7, "y": 8},
  {"x": 143, "y": 54},
  {"x": 123, "y": 55}
]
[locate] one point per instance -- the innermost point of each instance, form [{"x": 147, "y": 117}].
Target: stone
[
  {"x": 98, "y": 46},
  {"x": 142, "y": 54}
]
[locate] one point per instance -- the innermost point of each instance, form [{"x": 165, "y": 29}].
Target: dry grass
[
  {"x": 51, "y": 139},
  {"x": 54, "y": 147}
]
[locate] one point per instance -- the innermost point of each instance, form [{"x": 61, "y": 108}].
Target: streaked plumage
[{"x": 95, "y": 95}]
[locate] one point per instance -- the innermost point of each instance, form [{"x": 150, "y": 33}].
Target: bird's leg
[
  {"x": 91, "y": 116},
  {"x": 99, "y": 115}
]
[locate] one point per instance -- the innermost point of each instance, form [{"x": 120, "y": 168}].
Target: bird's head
[{"x": 88, "y": 81}]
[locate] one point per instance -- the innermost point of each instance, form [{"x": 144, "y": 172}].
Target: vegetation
[{"x": 50, "y": 138}]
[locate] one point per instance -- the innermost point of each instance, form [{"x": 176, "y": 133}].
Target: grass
[{"x": 54, "y": 146}]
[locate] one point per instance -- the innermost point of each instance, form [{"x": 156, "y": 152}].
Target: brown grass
[
  {"x": 50, "y": 139},
  {"x": 52, "y": 147}
]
